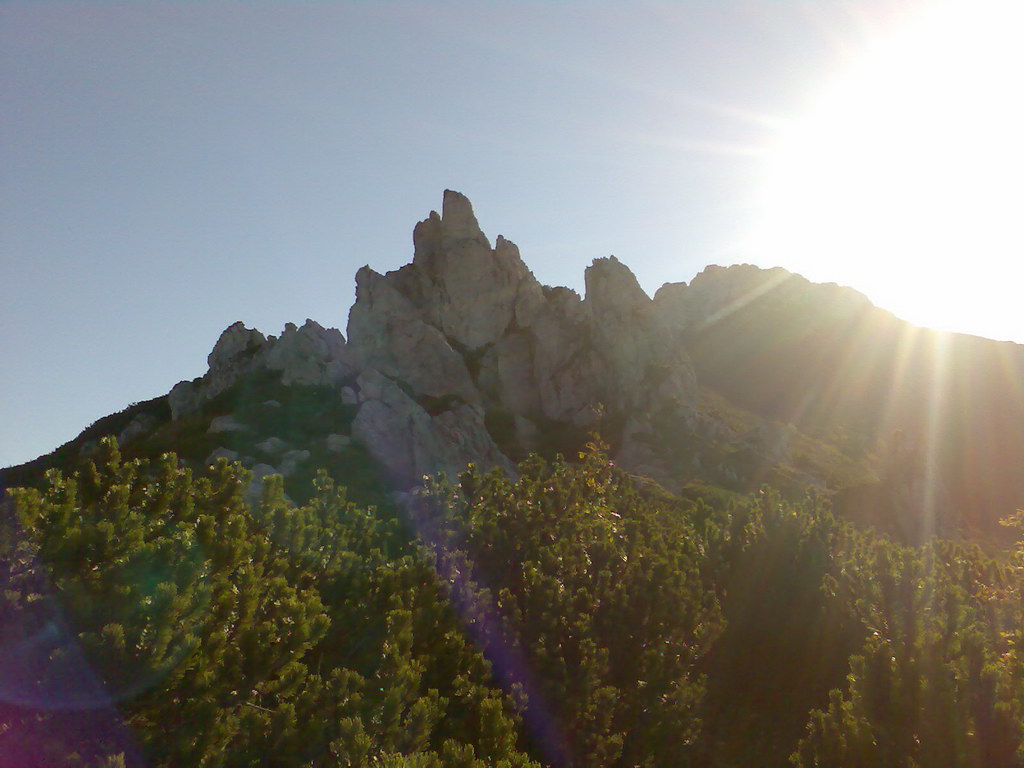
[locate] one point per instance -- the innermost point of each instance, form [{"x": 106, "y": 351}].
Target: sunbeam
[{"x": 903, "y": 177}]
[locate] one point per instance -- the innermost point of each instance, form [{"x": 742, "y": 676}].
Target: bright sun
[{"x": 905, "y": 178}]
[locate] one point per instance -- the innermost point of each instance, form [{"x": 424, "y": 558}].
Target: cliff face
[{"x": 463, "y": 356}]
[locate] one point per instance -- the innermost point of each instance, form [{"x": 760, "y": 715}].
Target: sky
[{"x": 169, "y": 168}]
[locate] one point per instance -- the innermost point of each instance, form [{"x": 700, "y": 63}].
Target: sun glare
[{"x": 904, "y": 179}]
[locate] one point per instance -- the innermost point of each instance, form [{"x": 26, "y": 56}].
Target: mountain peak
[
  {"x": 464, "y": 332},
  {"x": 611, "y": 284},
  {"x": 461, "y": 356},
  {"x": 458, "y": 222}
]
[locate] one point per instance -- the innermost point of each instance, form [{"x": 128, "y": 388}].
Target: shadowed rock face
[{"x": 942, "y": 413}]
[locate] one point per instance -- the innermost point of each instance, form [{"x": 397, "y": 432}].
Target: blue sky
[{"x": 170, "y": 168}]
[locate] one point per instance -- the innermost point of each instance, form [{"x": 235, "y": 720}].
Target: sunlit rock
[{"x": 310, "y": 355}]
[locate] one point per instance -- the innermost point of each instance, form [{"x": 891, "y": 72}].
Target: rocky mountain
[
  {"x": 744, "y": 376},
  {"x": 940, "y": 414}
]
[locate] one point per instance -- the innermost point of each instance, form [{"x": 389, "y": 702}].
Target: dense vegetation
[{"x": 570, "y": 617}]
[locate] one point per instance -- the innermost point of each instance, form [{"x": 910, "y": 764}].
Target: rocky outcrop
[
  {"x": 409, "y": 443},
  {"x": 471, "y": 322},
  {"x": 231, "y": 357},
  {"x": 462, "y": 286},
  {"x": 463, "y": 356},
  {"x": 388, "y": 333},
  {"x": 140, "y": 426},
  {"x": 648, "y": 369},
  {"x": 462, "y": 331},
  {"x": 310, "y": 355},
  {"x": 395, "y": 430}
]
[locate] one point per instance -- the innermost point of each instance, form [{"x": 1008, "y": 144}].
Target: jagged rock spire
[
  {"x": 464, "y": 330},
  {"x": 470, "y": 321}
]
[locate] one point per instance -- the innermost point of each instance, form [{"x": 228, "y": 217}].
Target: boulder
[
  {"x": 221, "y": 453},
  {"x": 291, "y": 460},
  {"x": 462, "y": 437},
  {"x": 140, "y": 426},
  {"x": 337, "y": 443},
  {"x": 226, "y": 423},
  {"x": 259, "y": 471},
  {"x": 254, "y": 492},
  {"x": 272, "y": 446}
]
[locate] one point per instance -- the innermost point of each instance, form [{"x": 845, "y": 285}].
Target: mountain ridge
[{"x": 741, "y": 376}]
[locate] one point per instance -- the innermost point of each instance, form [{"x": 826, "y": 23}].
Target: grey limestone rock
[
  {"x": 410, "y": 443},
  {"x": 337, "y": 443},
  {"x": 182, "y": 399},
  {"x": 273, "y": 446},
  {"x": 231, "y": 357},
  {"x": 386, "y": 332},
  {"x": 471, "y": 322},
  {"x": 393, "y": 427},
  {"x": 259, "y": 471},
  {"x": 568, "y": 374},
  {"x": 221, "y": 453},
  {"x": 458, "y": 296},
  {"x": 140, "y": 426},
  {"x": 465, "y": 288},
  {"x": 226, "y": 423},
  {"x": 507, "y": 374},
  {"x": 309, "y": 355},
  {"x": 466, "y": 327},
  {"x": 527, "y": 432},
  {"x": 463, "y": 438},
  {"x": 291, "y": 460},
  {"x": 255, "y": 490},
  {"x": 646, "y": 366}
]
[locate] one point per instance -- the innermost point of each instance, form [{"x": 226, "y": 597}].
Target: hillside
[
  {"x": 942, "y": 412},
  {"x": 741, "y": 378},
  {"x": 499, "y": 525}
]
